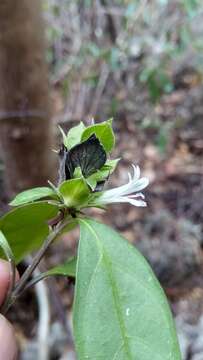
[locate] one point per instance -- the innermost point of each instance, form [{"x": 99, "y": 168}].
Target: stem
[
  {"x": 34, "y": 281},
  {"x": 28, "y": 272}
]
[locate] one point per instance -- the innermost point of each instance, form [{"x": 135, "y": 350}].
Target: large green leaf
[
  {"x": 120, "y": 310},
  {"x": 33, "y": 195},
  {"x": 26, "y": 227},
  {"x": 103, "y": 132}
]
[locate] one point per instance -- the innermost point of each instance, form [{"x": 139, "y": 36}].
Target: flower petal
[
  {"x": 126, "y": 192},
  {"x": 141, "y": 195},
  {"x": 136, "y": 172},
  {"x": 139, "y": 185},
  {"x": 126, "y": 199}
]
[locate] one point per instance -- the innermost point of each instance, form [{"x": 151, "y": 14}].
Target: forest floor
[{"x": 169, "y": 231}]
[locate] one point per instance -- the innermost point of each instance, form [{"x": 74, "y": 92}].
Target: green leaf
[
  {"x": 75, "y": 192},
  {"x": 30, "y": 195},
  {"x": 103, "y": 132},
  {"x": 26, "y": 227},
  {"x": 120, "y": 310},
  {"x": 74, "y": 135},
  {"x": 66, "y": 269}
]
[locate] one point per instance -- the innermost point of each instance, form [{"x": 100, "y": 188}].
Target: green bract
[
  {"x": 103, "y": 132},
  {"x": 74, "y": 136},
  {"x": 75, "y": 193}
]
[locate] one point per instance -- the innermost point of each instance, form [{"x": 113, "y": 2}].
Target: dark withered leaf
[{"x": 90, "y": 156}]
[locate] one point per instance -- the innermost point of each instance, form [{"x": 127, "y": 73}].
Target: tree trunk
[{"x": 26, "y": 131}]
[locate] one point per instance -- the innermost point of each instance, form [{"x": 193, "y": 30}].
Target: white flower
[{"x": 126, "y": 193}]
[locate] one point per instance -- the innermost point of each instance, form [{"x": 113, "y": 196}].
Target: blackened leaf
[{"x": 90, "y": 156}]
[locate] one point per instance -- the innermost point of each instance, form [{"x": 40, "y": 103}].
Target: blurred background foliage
[{"x": 108, "y": 56}]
